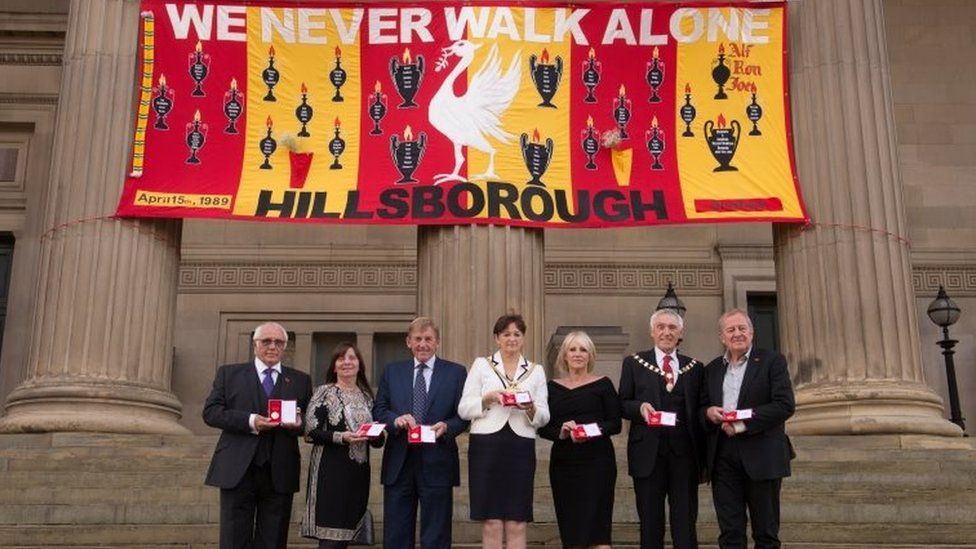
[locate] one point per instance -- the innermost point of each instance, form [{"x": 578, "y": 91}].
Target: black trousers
[
  {"x": 733, "y": 492},
  {"x": 674, "y": 477},
  {"x": 400, "y": 509},
  {"x": 252, "y": 514}
]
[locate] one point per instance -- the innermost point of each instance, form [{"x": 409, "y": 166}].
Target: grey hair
[
  {"x": 661, "y": 312},
  {"x": 733, "y": 312},
  {"x": 264, "y": 327}
]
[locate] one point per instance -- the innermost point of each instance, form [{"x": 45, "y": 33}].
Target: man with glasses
[{"x": 256, "y": 463}]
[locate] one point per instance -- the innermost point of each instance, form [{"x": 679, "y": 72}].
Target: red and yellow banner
[{"x": 559, "y": 115}]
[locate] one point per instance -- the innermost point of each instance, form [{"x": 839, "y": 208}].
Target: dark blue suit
[{"x": 425, "y": 473}]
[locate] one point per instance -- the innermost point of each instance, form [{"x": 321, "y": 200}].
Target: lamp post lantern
[
  {"x": 671, "y": 301},
  {"x": 944, "y": 313}
]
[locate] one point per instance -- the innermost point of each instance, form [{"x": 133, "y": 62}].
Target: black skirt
[{"x": 501, "y": 475}]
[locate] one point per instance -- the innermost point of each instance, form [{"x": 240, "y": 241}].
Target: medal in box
[{"x": 521, "y": 398}]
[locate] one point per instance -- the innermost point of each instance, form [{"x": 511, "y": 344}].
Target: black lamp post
[
  {"x": 944, "y": 312},
  {"x": 671, "y": 301}
]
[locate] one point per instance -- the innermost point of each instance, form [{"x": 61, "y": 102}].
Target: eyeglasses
[{"x": 268, "y": 342}]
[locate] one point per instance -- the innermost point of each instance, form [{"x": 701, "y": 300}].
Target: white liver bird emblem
[{"x": 474, "y": 117}]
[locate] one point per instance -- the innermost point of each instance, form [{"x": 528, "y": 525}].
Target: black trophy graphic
[
  {"x": 590, "y": 143},
  {"x": 377, "y": 109},
  {"x": 304, "y": 113},
  {"x": 655, "y": 75},
  {"x": 270, "y": 75},
  {"x": 655, "y": 144},
  {"x": 546, "y": 76},
  {"x": 621, "y": 113},
  {"x": 337, "y": 76},
  {"x": 688, "y": 112},
  {"x": 267, "y": 146},
  {"x": 754, "y": 112},
  {"x": 199, "y": 67},
  {"x": 723, "y": 142},
  {"x": 336, "y": 146},
  {"x": 592, "y": 69},
  {"x": 196, "y": 136},
  {"x": 721, "y": 73},
  {"x": 407, "y": 154},
  {"x": 162, "y": 103},
  {"x": 232, "y": 107},
  {"x": 536, "y": 156},
  {"x": 407, "y": 76}
]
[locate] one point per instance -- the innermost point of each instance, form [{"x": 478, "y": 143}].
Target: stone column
[
  {"x": 101, "y": 349},
  {"x": 470, "y": 275},
  {"x": 848, "y": 320}
]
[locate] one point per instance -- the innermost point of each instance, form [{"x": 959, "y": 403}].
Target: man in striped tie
[{"x": 423, "y": 392}]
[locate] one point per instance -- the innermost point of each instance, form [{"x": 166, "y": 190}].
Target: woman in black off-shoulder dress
[{"x": 582, "y": 472}]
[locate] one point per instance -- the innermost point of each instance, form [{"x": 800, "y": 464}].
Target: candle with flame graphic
[
  {"x": 336, "y": 146},
  {"x": 536, "y": 156},
  {"x": 304, "y": 113},
  {"x": 268, "y": 145},
  {"x": 754, "y": 112},
  {"x": 162, "y": 104},
  {"x": 592, "y": 69},
  {"x": 199, "y": 68},
  {"x": 407, "y": 76},
  {"x": 338, "y": 76},
  {"x": 232, "y": 107},
  {"x": 723, "y": 142},
  {"x": 270, "y": 75},
  {"x": 196, "y": 136},
  {"x": 688, "y": 112},
  {"x": 621, "y": 113},
  {"x": 546, "y": 76},
  {"x": 655, "y": 144},
  {"x": 590, "y": 143},
  {"x": 655, "y": 75},
  {"x": 721, "y": 73},
  {"x": 377, "y": 109},
  {"x": 407, "y": 154}
]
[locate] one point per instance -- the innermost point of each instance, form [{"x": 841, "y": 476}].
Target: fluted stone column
[
  {"x": 848, "y": 320},
  {"x": 100, "y": 355},
  {"x": 470, "y": 275}
]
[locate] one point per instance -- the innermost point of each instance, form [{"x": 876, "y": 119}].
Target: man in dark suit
[
  {"x": 424, "y": 390},
  {"x": 747, "y": 459},
  {"x": 256, "y": 463},
  {"x": 665, "y": 461}
]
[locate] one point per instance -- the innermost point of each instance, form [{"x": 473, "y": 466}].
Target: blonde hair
[{"x": 568, "y": 341}]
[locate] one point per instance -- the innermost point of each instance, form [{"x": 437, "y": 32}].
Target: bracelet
[{"x": 337, "y": 438}]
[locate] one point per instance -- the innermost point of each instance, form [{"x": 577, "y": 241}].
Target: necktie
[
  {"x": 668, "y": 373},
  {"x": 420, "y": 394},
  {"x": 268, "y": 382}
]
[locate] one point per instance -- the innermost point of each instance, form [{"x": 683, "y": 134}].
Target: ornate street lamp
[
  {"x": 944, "y": 313},
  {"x": 671, "y": 301}
]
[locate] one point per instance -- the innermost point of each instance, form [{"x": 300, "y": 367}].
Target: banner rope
[
  {"x": 145, "y": 94},
  {"x": 48, "y": 234},
  {"x": 810, "y": 225}
]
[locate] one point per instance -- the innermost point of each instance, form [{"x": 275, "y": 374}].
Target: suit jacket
[
  {"x": 766, "y": 389},
  {"x": 638, "y": 384},
  {"x": 483, "y": 377},
  {"x": 232, "y": 400},
  {"x": 439, "y": 461}
]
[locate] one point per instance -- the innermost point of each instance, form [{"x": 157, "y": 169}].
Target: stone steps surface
[{"x": 88, "y": 490}]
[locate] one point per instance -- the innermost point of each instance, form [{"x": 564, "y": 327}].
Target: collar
[
  {"x": 523, "y": 365},
  {"x": 429, "y": 363},
  {"x": 726, "y": 358},
  {"x": 659, "y": 356},
  {"x": 261, "y": 366}
]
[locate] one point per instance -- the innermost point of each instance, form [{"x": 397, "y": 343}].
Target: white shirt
[
  {"x": 483, "y": 377},
  {"x": 732, "y": 385},
  {"x": 260, "y": 367},
  {"x": 675, "y": 366},
  {"x": 428, "y": 371}
]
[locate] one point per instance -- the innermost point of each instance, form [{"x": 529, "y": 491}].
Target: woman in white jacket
[{"x": 505, "y": 398}]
